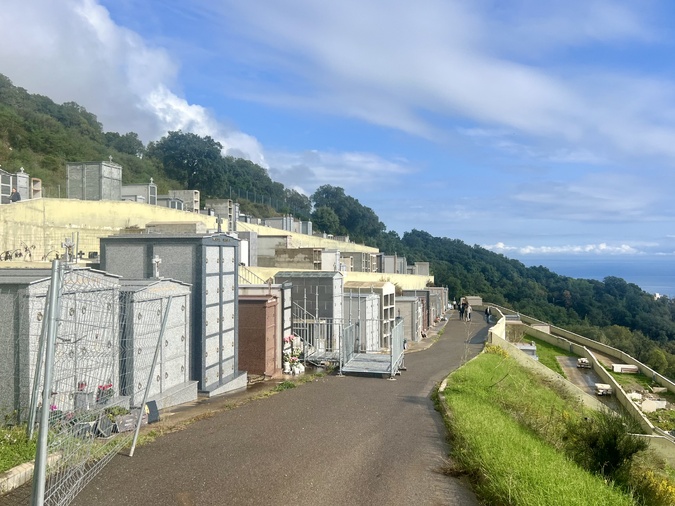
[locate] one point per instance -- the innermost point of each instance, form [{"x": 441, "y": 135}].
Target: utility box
[
  {"x": 94, "y": 181},
  {"x": 209, "y": 262}
]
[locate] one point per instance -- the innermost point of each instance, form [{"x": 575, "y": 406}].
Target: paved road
[{"x": 351, "y": 440}]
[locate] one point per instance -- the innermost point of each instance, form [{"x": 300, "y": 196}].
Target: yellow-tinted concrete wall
[
  {"x": 43, "y": 224},
  {"x": 305, "y": 241},
  {"x": 405, "y": 281}
]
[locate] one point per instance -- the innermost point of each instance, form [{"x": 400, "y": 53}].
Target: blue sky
[{"x": 535, "y": 129}]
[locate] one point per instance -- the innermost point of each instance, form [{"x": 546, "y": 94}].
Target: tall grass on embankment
[{"x": 506, "y": 428}]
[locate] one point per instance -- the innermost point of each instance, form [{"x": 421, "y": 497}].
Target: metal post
[
  {"x": 316, "y": 309},
  {"x": 305, "y": 346},
  {"x": 165, "y": 318},
  {"x": 40, "y": 469},
  {"x": 391, "y": 354},
  {"x": 38, "y": 367}
]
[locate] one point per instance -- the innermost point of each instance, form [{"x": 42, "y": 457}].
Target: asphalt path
[{"x": 352, "y": 440}]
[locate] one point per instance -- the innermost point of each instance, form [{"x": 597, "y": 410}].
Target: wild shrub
[
  {"x": 604, "y": 443},
  {"x": 495, "y": 350},
  {"x": 651, "y": 488}
]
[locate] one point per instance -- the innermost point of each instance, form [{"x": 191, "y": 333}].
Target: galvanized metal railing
[
  {"x": 248, "y": 277},
  {"x": 397, "y": 348},
  {"x": 350, "y": 334}
]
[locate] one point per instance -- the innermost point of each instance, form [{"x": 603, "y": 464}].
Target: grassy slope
[{"x": 492, "y": 424}]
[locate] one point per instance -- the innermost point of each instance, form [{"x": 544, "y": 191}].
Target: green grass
[
  {"x": 547, "y": 354},
  {"x": 631, "y": 381},
  {"x": 15, "y": 448},
  {"x": 507, "y": 428},
  {"x": 662, "y": 418},
  {"x": 284, "y": 385}
]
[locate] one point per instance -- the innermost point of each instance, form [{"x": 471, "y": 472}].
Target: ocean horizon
[{"x": 654, "y": 274}]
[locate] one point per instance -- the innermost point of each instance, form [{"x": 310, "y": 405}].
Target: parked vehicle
[{"x": 583, "y": 363}]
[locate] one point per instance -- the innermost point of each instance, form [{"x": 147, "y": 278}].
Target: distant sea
[{"x": 654, "y": 274}]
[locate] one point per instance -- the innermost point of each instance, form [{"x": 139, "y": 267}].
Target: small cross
[{"x": 155, "y": 267}]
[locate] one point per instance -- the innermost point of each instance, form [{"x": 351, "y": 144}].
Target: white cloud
[
  {"x": 539, "y": 29},
  {"x": 605, "y": 196},
  {"x": 597, "y": 249},
  {"x": 422, "y": 69},
  {"x": 175, "y": 113},
  {"x": 72, "y": 51},
  {"x": 352, "y": 171}
]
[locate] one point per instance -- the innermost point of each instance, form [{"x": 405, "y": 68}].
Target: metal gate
[
  {"x": 349, "y": 345},
  {"x": 320, "y": 337},
  {"x": 386, "y": 362}
]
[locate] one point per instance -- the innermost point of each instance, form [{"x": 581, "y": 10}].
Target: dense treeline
[
  {"x": 611, "y": 311},
  {"x": 41, "y": 136}
]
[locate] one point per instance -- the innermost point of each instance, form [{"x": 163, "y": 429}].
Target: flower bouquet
[{"x": 104, "y": 393}]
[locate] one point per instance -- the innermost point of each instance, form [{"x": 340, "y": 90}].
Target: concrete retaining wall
[
  {"x": 43, "y": 224},
  {"x": 661, "y": 441}
]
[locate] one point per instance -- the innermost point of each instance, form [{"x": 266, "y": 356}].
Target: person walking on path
[{"x": 468, "y": 312}]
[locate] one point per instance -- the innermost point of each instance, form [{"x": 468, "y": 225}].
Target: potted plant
[
  {"x": 118, "y": 416},
  {"x": 84, "y": 423}
]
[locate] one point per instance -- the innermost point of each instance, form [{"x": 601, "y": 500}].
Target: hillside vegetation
[
  {"x": 41, "y": 136},
  {"x": 523, "y": 440}
]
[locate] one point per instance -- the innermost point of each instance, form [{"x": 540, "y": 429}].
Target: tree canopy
[
  {"x": 356, "y": 220},
  {"x": 196, "y": 162}
]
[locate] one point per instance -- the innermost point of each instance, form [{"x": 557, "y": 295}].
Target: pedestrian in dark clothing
[{"x": 15, "y": 196}]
